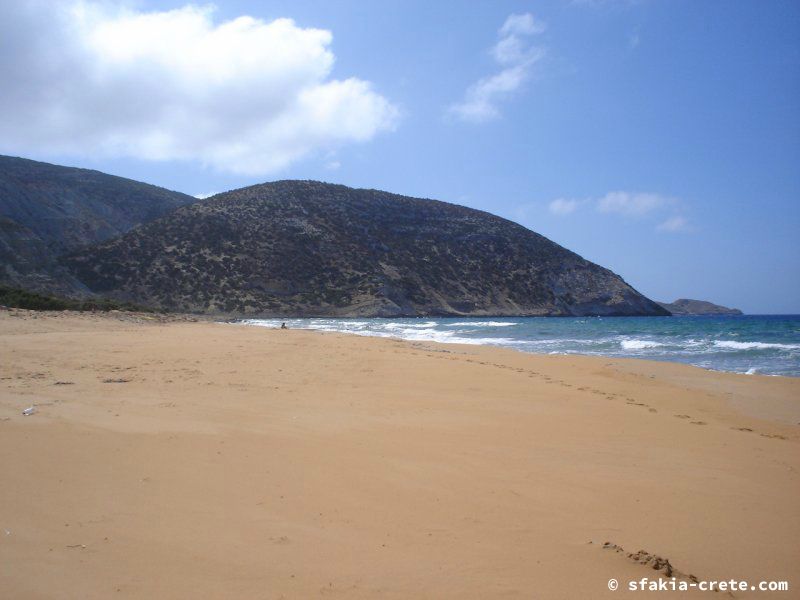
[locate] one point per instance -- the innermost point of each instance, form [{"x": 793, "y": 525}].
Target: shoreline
[
  {"x": 480, "y": 342},
  {"x": 526, "y": 352},
  {"x": 242, "y": 320},
  {"x": 184, "y": 459}
]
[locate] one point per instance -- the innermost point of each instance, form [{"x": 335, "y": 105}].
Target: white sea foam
[
  {"x": 426, "y": 325},
  {"x": 430, "y": 335},
  {"x": 562, "y": 342},
  {"x": 639, "y": 344},
  {"x": 481, "y": 324},
  {"x": 754, "y": 346},
  {"x": 262, "y": 322}
]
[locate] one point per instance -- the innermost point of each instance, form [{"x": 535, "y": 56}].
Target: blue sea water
[{"x": 768, "y": 345}]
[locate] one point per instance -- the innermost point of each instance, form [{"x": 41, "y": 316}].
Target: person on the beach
[{"x": 283, "y": 326}]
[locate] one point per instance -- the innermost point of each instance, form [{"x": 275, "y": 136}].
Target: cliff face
[
  {"x": 314, "y": 249},
  {"x": 47, "y": 210},
  {"x": 684, "y": 306}
]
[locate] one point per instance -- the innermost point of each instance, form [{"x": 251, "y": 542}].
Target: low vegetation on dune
[{"x": 18, "y": 298}]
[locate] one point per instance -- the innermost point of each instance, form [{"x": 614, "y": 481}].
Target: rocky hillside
[
  {"x": 47, "y": 210},
  {"x": 309, "y": 248},
  {"x": 684, "y": 306}
]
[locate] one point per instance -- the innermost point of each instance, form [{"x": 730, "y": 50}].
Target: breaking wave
[
  {"x": 754, "y": 345},
  {"x": 639, "y": 344}
]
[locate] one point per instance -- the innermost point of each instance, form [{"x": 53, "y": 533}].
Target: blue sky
[{"x": 658, "y": 138}]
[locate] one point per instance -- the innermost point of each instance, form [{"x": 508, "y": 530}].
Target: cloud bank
[
  {"x": 244, "y": 96},
  {"x": 515, "y": 56}
]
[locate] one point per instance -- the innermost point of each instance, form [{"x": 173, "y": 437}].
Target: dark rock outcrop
[
  {"x": 47, "y": 210},
  {"x": 313, "y": 249},
  {"x": 683, "y": 307}
]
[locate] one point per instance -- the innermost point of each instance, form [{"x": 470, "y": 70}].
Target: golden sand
[{"x": 206, "y": 460}]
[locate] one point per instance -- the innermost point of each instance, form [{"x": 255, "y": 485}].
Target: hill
[
  {"x": 307, "y": 248},
  {"x": 48, "y": 210},
  {"x": 684, "y": 307}
]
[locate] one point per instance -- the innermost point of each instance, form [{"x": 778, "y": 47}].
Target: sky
[{"x": 658, "y": 138}]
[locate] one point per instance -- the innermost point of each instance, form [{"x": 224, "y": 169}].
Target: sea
[{"x": 748, "y": 344}]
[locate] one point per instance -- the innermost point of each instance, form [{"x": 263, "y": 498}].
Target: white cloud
[
  {"x": 516, "y": 57},
  {"x": 205, "y": 195},
  {"x": 639, "y": 205},
  {"x": 674, "y": 224},
  {"x": 563, "y": 206},
  {"x": 524, "y": 24},
  {"x": 632, "y": 204},
  {"x": 246, "y": 96}
]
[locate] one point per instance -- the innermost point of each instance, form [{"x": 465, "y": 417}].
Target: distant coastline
[{"x": 687, "y": 307}]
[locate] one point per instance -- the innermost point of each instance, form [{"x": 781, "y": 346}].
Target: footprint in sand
[
  {"x": 684, "y": 416},
  {"x": 742, "y": 429},
  {"x": 698, "y": 423},
  {"x": 653, "y": 561}
]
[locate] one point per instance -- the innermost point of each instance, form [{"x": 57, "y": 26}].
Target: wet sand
[{"x": 206, "y": 460}]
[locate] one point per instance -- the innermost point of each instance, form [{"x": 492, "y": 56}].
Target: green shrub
[{"x": 19, "y": 298}]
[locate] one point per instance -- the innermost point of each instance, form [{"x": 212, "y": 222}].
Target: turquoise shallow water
[{"x": 768, "y": 344}]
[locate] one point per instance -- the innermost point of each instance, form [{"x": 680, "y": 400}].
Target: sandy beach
[{"x": 206, "y": 460}]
